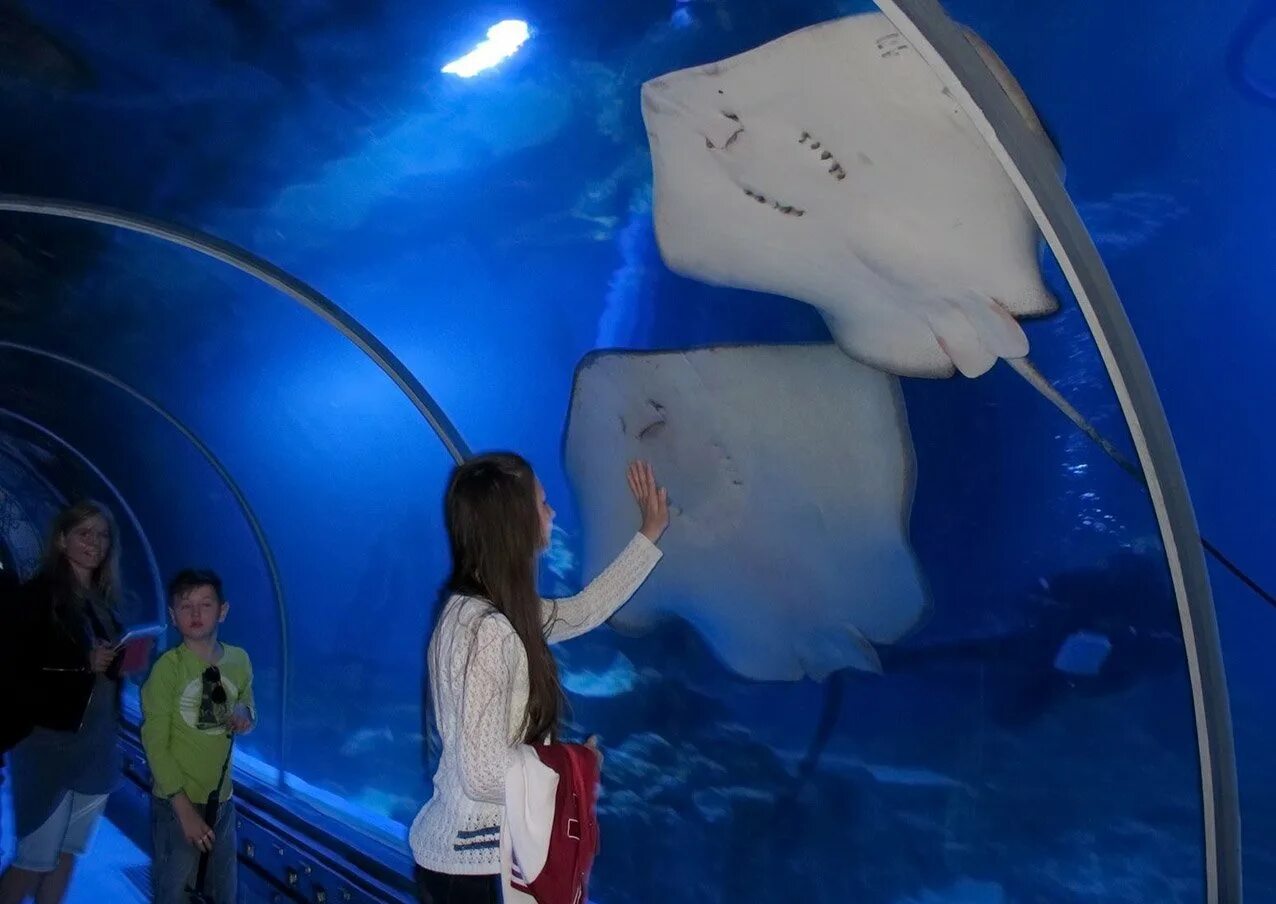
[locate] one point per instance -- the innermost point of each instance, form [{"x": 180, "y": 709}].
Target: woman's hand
[
  {"x": 653, "y": 501},
  {"x": 102, "y": 656}
]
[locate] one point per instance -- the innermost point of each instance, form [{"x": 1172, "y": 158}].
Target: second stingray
[{"x": 790, "y": 471}]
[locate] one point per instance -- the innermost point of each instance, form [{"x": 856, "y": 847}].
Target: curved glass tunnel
[{"x": 491, "y": 234}]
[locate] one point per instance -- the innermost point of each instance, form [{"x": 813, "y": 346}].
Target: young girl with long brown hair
[{"x": 493, "y": 681}]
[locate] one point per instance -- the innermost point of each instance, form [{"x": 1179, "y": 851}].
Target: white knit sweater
[{"x": 479, "y": 687}]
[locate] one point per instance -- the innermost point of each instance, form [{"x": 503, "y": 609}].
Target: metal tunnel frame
[
  {"x": 151, "y": 563},
  {"x": 245, "y": 507},
  {"x": 275, "y": 277},
  {"x": 279, "y": 279},
  {"x": 925, "y": 25}
]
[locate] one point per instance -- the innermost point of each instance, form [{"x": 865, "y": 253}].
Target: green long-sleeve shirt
[{"x": 184, "y": 731}]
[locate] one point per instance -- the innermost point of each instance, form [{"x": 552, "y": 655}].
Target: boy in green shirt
[{"x": 197, "y": 697}]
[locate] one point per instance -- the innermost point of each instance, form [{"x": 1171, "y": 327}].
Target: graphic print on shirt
[{"x": 200, "y": 711}]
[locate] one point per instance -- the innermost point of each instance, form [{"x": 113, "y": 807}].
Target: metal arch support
[
  {"x": 271, "y": 275},
  {"x": 245, "y": 507},
  {"x": 925, "y": 25},
  {"x": 147, "y": 549}
]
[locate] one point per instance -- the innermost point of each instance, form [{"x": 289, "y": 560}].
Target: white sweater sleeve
[
  {"x": 575, "y": 615},
  {"x": 487, "y": 675}
]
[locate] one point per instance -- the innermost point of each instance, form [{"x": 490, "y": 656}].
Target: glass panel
[
  {"x": 1172, "y": 175},
  {"x": 344, "y": 476},
  {"x": 493, "y": 231},
  {"x": 189, "y": 517},
  {"x": 942, "y": 777}
]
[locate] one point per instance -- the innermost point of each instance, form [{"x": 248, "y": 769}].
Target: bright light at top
[{"x": 503, "y": 40}]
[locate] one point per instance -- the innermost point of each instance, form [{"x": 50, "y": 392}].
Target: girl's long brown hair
[{"x": 494, "y": 528}]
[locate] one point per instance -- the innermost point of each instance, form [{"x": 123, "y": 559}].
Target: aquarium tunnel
[{"x": 947, "y": 326}]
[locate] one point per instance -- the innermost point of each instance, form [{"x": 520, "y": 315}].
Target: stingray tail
[
  {"x": 1025, "y": 368},
  {"x": 830, "y": 715}
]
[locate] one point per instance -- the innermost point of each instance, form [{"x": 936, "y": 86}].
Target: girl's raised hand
[{"x": 653, "y": 501}]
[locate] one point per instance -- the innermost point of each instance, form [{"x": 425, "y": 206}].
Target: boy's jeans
[{"x": 176, "y": 860}]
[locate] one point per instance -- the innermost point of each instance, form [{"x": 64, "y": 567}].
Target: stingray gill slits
[
  {"x": 787, "y": 209},
  {"x": 825, "y": 156}
]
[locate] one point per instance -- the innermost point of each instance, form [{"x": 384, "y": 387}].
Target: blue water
[{"x": 491, "y": 232}]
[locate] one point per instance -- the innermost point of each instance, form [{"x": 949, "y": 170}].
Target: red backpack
[{"x": 573, "y": 842}]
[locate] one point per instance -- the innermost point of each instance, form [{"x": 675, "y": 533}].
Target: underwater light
[{"x": 503, "y": 40}]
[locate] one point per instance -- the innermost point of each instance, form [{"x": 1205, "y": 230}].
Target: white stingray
[
  {"x": 790, "y": 470},
  {"x": 832, "y": 166}
]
